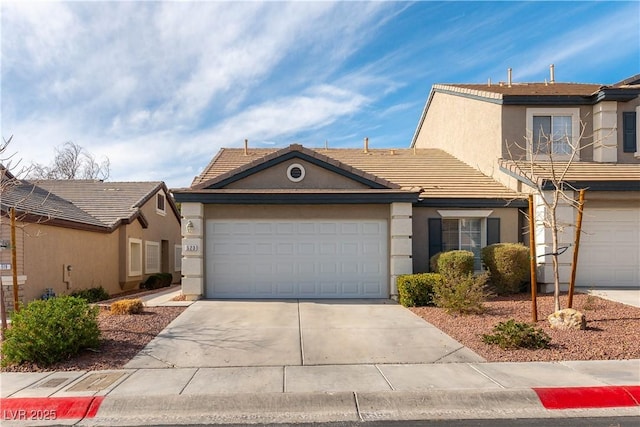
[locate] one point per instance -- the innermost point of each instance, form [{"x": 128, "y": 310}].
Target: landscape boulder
[{"x": 568, "y": 319}]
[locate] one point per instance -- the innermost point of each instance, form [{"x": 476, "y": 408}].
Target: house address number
[{"x": 191, "y": 248}]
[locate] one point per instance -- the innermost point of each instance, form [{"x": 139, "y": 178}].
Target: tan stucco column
[
  {"x": 400, "y": 236},
  {"x": 192, "y": 250}
]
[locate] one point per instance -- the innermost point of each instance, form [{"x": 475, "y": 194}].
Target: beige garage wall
[{"x": 509, "y": 231}]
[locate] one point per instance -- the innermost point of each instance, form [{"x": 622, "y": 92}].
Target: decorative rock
[{"x": 568, "y": 319}]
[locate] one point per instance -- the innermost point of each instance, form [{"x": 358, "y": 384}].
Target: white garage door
[
  {"x": 296, "y": 259},
  {"x": 609, "y": 248}
]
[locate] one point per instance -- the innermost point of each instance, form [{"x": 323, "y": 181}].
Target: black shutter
[
  {"x": 629, "y": 132},
  {"x": 493, "y": 231},
  {"x": 435, "y": 236}
]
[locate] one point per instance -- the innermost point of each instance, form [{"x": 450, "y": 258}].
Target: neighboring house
[
  {"x": 333, "y": 223},
  {"x": 491, "y": 128},
  {"x": 78, "y": 234}
]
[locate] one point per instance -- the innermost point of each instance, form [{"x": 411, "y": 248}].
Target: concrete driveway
[{"x": 298, "y": 333}]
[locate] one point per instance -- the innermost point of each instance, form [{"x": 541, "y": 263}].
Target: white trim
[
  {"x": 575, "y": 128},
  {"x": 138, "y": 255},
  {"x": 293, "y": 166},
  {"x": 151, "y": 248},
  {"x": 465, "y": 213}
]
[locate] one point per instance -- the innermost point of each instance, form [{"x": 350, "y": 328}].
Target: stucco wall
[
  {"x": 315, "y": 177},
  {"x": 92, "y": 256},
  {"x": 469, "y": 129},
  {"x": 509, "y": 232}
]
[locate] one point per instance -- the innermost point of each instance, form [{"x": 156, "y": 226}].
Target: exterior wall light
[{"x": 190, "y": 227}]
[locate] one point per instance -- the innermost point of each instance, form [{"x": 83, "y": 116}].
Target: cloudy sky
[{"x": 160, "y": 87}]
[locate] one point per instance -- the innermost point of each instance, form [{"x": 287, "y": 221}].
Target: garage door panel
[
  {"x": 306, "y": 259},
  {"x": 610, "y": 248}
]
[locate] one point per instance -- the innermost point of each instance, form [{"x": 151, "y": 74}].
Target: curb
[{"x": 318, "y": 407}]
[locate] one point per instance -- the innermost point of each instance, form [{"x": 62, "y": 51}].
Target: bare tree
[
  {"x": 72, "y": 161},
  {"x": 544, "y": 161}
]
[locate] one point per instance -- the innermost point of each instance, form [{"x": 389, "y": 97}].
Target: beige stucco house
[
  {"x": 78, "y": 234},
  {"x": 497, "y": 129},
  {"x": 298, "y": 222}
]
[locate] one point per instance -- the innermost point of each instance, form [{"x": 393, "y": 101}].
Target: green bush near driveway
[
  {"x": 416, "y": 290},
  {"x": 462, "y": 294},
  {"x": 47, "y": 331},
  {"x": 512, "y": 334},
  {"x": 92, "y": 294},
  {"x": 509, "y": 266},
  {"x": 455, "y": 264}
]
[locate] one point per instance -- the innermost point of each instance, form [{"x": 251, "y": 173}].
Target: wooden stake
[
  {"x": 574, "y": 262},
  {"x": 532, "y": 261}
]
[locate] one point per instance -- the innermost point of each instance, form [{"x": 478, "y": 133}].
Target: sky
[{"x": 159, "y": 87}]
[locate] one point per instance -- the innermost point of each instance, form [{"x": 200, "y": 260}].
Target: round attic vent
[{"x": 295, "y": 172}]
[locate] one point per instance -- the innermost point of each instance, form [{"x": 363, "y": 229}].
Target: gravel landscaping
[
  {"x": 612, "y": 329},
  {"x": 612, "y": 333}
]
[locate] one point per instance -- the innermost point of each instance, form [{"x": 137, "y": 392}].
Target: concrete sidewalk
[{"x": 326, "y": 393}]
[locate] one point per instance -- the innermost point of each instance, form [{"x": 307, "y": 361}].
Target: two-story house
[{"x": 523, "y": 133}]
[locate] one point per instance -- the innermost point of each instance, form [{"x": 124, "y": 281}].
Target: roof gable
[{"x": 239, "y": 168}]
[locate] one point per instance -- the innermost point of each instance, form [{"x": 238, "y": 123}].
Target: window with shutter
[{"x": 629, "y": 137}]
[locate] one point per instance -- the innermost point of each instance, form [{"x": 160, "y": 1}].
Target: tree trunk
[{"x": 554, "y": 259}]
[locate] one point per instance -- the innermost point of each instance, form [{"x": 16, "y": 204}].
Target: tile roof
[
  {"x": 43, "y": 205},
  {"x": 439, "y": 174},
  {"x": 576, "y": 172},
  {"x": 108, "y": 202}
]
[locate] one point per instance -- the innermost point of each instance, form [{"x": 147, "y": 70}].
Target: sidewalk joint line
[
  {"x": 300, "y": 335},
  {"x": 472, "y": 366},
  {"x": 355, "y": 399},
  {"x": 189, "y": 381},
  {"x": 448, "y": 354},
  {"x": 284, "y": 379},
  {"x": 385, "y": 378}
]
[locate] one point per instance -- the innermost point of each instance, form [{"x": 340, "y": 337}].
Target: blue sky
[{"x": 160, "y": 87}]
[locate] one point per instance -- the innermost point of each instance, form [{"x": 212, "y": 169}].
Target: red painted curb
[
  {"x": 588, "y": 397},
  {"x": 49, "y": 408}
]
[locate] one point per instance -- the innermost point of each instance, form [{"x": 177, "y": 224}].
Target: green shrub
[
  {"x": 463, "y": 295},
  {"x": 433, "y": 262},
  {"x": 47, "y": 331},
  {"x": 509, "y": 266},
  {"x": 92, "y": 294},
  {"x": 158, "y": 280},
  {"x": 127, "y": 306},
  {"x": 455, "y": 264},
  {"x": 416, "y": 290},
  {"x": 512, "y": 334}
]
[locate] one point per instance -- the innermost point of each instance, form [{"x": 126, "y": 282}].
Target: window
[
  {"x": 469, "y": 230},
  {"x": 552, "y": 131},
  {"x": 629, "y": 141},
  {"x": 160, "y": 204},
  {"x": 463, "y": 234},
  {"x": 177, "y": 257},
  {"x": 135, "y": 257},
  {"x": 152, "y": 258}
]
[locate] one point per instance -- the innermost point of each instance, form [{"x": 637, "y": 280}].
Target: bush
[
  {"x": 509, "y": 266},
  {"x": 127, "y": 306},
  {"x": 92, "y": 295},
  {"x": 512, "y": 334},
  {"x": 433, "y": 262},
  {"x": 464, "y": 294},
  {"x": 47, "y": 331},
  {"x": 416, "y": 290},
  {"x": 455, "y": 264},
  {"x": 157, "y": 281}
]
